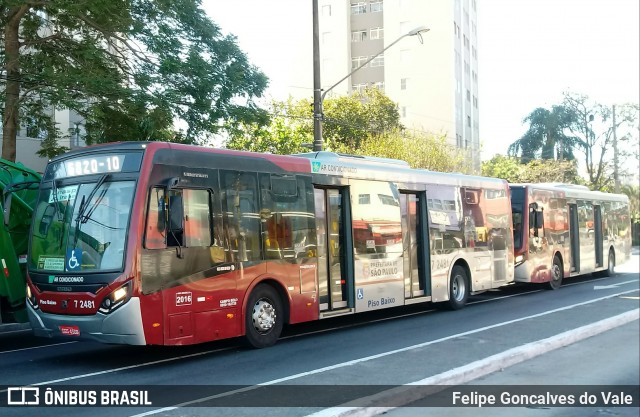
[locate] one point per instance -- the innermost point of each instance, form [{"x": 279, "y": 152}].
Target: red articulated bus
[
  {"x": 168, "y": 244},
  {"x": 564, "y": 230}
]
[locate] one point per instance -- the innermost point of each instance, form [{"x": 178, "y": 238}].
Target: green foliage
[
  {"x": 284, "y": 134},
  {"x": 131, "y": 68},
  {"x": 420, "y": 151},
  {"x": 348, "y": 120},
  {"x": 633, "y": 192},
  {"x": 537, "y": 171},
  {"x": 547, "y": 136},
  {"x": 582, "y": 129}
]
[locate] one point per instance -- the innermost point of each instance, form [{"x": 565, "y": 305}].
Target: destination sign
[{"x": 95, "y": 164}]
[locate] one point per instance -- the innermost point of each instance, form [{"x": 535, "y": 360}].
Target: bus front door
[
  {"x": 574, "y": 237},
  {"x": 414, "y": 245},
  {"x": 333, "y": 258},
  {"x": 597, "y": 226}
]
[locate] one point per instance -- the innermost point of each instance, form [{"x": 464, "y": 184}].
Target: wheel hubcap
[
  {"x": 264, "y": 316},
  {"x": 556, "y": 272},
  {"x": 458, "y": 287}
]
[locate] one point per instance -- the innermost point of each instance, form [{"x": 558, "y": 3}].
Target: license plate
[{"x": 70, "y": 330}]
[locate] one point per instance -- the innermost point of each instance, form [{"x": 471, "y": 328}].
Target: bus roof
[{"x": 572, "y": 191}]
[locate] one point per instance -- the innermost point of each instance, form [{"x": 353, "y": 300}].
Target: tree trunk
[{"x": 12, "y": 91}]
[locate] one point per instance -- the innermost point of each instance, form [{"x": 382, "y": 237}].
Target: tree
[
  {"x": 129, "y": 66},
  {"x": 593, "y": 125},
  {"x": 418, "y": 150},
  {"x": 547, "y": 136},
  {"x": 284, "y": 134},
  {"x": 537, "y": 171},
  {"x": 348, "y": 120}
]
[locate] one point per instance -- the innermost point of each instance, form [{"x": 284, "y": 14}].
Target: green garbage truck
[{"x": 19, "y": 189}]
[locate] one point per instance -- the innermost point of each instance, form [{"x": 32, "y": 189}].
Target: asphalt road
[{"x": 322, "y": 365}]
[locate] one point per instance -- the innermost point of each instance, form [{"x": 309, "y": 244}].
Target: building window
[
  {"x": 357, "y": 61},
  {"x": 379, "y": 85},
  {"x": 475, "y": 102},
  {"x": 376, "y": 33},
  {"x": 403, "y": 83},
  {"x": 326, "y": 10},
  {"x": 469, "y": 121},
  {"x": 404, "y": 111},
  {"x": 359, "y": 88},
  {"x": 458, "y": 31},
  {"x": 375, "y": 6},
  {"x": 359, "y": 36},
  {"x": 377, "y": 61},
  {"x": 468, "y": 95},
  {"x": 358, "y": 8}
]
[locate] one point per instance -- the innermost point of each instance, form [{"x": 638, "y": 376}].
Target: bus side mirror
[
  {"x": 6, "y": 208},
  {"x": 176, "y": 214},
  {"x": 539, "y": 219}
]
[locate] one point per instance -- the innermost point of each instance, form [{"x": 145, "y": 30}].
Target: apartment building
[{"x": 435, "y": 83}]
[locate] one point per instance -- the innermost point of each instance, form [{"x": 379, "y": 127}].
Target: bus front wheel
[
  {"x": 556, "y": 274},
  {"x": 264, "y": 318}
]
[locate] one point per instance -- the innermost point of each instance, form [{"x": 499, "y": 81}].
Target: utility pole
[
  {"x": 616, "y": 178},
  {"x": 317, "y": 87}
]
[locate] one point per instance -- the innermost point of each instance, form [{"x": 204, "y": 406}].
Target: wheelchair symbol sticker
[
  {"x": 360, "y": 294},
  {"x": 74, "y": 259}
]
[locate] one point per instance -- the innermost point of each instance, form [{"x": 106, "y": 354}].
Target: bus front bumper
[{"x": 123, "y": 326}]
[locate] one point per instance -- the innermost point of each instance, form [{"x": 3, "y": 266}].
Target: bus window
[
  {"x": 156, "y": 220},
  {"x": 197, "y": 227},
  {"x": 242, "y": 225},
  {"x": 288, "y": 230}
]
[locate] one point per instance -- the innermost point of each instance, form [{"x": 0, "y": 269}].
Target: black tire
[
  {"x": 264, "y": 318},
  {"x": 458, "y": 288},
  {"x": 611, "y": 265},
  {"x": 557, "y": 273}
]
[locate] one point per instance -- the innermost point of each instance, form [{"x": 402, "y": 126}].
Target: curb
[{"x": 417, "y": 390}]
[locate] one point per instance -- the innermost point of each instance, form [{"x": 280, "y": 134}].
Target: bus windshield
[{"x": 81, "y": 227}]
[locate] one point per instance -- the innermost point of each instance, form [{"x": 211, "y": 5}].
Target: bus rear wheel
[
  {"x": 556, "y": 274},
  {"x": 264, "y": 318},
  {"x": 458, "y": 288},
  {"x": 611, "y": 265}
]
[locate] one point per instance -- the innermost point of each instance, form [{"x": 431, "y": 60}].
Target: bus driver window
[{"x": 156, "y": 220}]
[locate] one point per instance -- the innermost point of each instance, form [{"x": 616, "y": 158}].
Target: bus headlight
[
  {"x": 116, "y": 299},
  {"x": 32, "y": 298}
]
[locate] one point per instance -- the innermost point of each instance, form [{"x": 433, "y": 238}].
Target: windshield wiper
[
  {"x": 85, "y": 202},
  {"x": 54, "y": 195}
]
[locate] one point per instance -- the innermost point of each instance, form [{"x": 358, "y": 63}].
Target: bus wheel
[
  {"x": 556, "y": 274},
  {"x": 458, "y": 288},
  {"x": 612, "y": 264},
  {"x": 264, "y": 318}
]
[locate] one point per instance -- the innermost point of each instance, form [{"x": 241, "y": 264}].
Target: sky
[{"x": 529, "y": 53}]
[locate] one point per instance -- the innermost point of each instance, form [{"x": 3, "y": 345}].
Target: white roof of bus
[
  {"x": 359, "y": 167},
  {"x": 573, "y": 191}
]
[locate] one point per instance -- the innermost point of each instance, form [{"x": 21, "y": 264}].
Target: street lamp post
[{"x": 319, "y": 94}]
